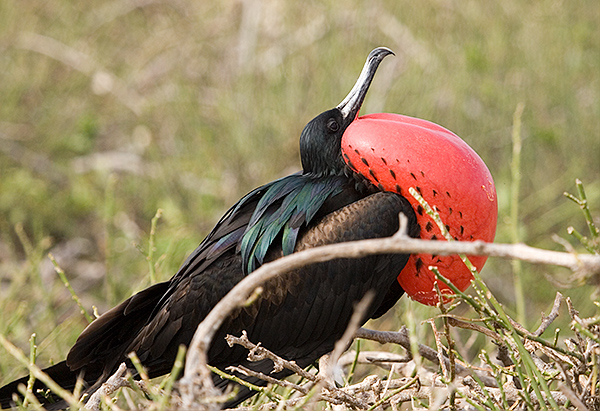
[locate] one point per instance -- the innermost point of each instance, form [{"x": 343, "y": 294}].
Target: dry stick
[
  {"x": 455, "y": 322},
  {"x": 546, "y": 321},
  {"x": 271, "y": 380},
  {"x": 572, "y": 396},
  {"x": 440, "y": 351},
  {"x": 342, "y": 344},
  {"x": 451, "y": 347},
  {"x": 258, "y": 353},
  {"x": 574, "y": 319},
  {"x": 469, "y": 389},
  {"x": 382, "y": 359},
  {"x": 288, "y": 404},
  {"x": 512, "y": 393},
  {"x": 116, "y": 381},
  {"x": 422, "y": 392},
  {"x": 111, "y": 385},
  {"x": 284, "y": 383},
  {"x": 401, "y": 338},
  {"x": 197, "y": 374}
]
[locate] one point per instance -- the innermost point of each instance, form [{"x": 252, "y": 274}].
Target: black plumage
[{"x": 300, "y": 315}]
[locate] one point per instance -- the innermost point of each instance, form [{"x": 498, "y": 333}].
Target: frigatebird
[{"x": 299, "y": 316}]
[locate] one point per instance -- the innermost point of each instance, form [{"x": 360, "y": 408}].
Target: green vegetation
[{"x": 112, "y": 110}]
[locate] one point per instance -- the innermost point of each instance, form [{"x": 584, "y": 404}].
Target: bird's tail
[
  {"x": 98, "y": 351},
  {"x": 60, "y": 373}
]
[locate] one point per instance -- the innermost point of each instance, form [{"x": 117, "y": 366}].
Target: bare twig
[
  {"x": 450, "y": 342},
  {"x": 455, "y": 322},
  {"x": 546, "y": 321},
  {"x": 258, "y": 353},
  {"x": 114, "y": 383},
  {"x": 271, "y": 380},
  {"x": 359, "y": 312},
  {"x": 369, "y": 389},
  {"x": 383, "y": 359},
  {"x": 440, "y": 350},
  {"x": 401, "y": 338},
  {"x": 573, "y": 397}
]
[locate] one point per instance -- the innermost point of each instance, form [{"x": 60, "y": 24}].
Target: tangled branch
[{"x": 197, "y": 382}]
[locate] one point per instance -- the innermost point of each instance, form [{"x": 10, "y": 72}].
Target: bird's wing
[
  {"x": 303, "y": 313},
  {"x": 152, "y": 321},
  {"x": 299, "y": 315},
  {"x": 253, "y": 223}
]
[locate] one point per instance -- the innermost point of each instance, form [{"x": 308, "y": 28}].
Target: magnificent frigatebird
[{"x": 301, "y": 315}]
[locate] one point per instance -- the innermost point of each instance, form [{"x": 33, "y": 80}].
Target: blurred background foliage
[{"x": 112, "y": 109}]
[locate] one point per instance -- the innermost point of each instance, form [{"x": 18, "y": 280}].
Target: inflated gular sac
[{"x": 396, "y": 152}]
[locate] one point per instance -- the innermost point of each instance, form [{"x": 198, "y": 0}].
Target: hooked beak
[{"x": 350, "y": 106}]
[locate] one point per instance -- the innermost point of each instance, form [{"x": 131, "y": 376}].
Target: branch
[
  {"x": 344, "y": 342},
  {"x": 401, "y": 338},
  {"x": 370, "y": 389},
  {"x": 258, "y": 353},
  {"x": 546, "y": 321},
  {"x": 197, "y": 379},
  {"x": 382, "y": 359},
  {"x": 113, "y": 384}
]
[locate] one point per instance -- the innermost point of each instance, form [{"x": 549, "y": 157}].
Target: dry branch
[
  {"x": 401, "y": 338},
  {"x": 116, "y": 381},
  {"x": 382, "y": 359},
  {"x": 258, "y": 353},
  {"x": 197, "y": 381}
]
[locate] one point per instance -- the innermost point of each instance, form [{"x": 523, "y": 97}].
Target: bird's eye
[{"x": 333, "y": 125}]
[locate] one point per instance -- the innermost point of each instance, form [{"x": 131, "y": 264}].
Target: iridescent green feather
[{"x": 286, "y": 206}]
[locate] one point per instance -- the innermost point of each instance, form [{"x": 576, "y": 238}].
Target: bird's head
[
  {"x": 395, "y": 153},
  {"x": 320, "y": 141}
]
